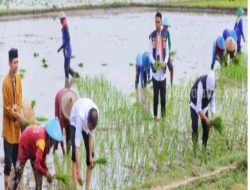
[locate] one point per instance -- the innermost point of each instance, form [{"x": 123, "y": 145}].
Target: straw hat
[
  {"x": 68, "y": 99},
  {"x": 231, "y": 44},
  {"x": 28, "y": 111},
  {"x": 62, "y": 15}
]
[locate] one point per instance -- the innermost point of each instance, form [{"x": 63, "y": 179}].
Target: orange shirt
[{"x": 11, "y": 130}]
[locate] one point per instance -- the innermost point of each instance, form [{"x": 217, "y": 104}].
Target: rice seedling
[
  {"x": 35, "y": 54},
  {"x": 101, "y": 161},
  {"x": 157, "y": 66},
  {"x": 172, "y": 53},
  {"x": 217, "y": 124},
  {"x": 73, "y": 57},
  {"x": 33, "y": 104},
  {"x": 63, "y": 178},
  {"x": 41, "y": 119},
  {"x": 44, "y": 63},
  {"x": 104, "y": 64},
  {"x": 131, "y": 64},
  {"x": 80, "y": 65}
]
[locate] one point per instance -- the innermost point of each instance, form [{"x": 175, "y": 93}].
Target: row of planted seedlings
[{"x": 137, "y": 147}]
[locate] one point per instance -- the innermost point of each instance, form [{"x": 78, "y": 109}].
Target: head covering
[
  {"x": 62, "y": 15},
  {"x": 210, "y": 82},
  {"x": 53, "y": 129},
  {"x": 226, "y": 33},
  {"x": 166, "y": 22},
  {"x": 220, "y": 47},
  {"x": 239, "y": 12},
  {"x": 220, "y": 43},
  {"x": 231, "y": 44},
  {"x": 13, "y": 53},
  {"x": 68, "y": 99},
  {"x": 233, "y": 35}
]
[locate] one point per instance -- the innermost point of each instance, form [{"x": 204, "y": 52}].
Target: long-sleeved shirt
[
  {"x": 58, "y": 113},
  {"x": 216, "y": 55},
  {"x": 79, "y": 118},
  {"x": 198, "y": 106},
  {"x": 66, "y": 45},
  {"x": 159, "y": 75},
  {"x": 33, "y": 146},
  {"x": 12, "y": 102},
  {"x": 238, "y": 27}
]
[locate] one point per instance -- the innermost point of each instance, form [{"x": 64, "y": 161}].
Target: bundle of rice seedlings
[
  {"x": 101, "y": 161},
  {"x": 62, "y": 178},
  {"x": 217, "y": 124},
  {"x": 172, "y": 53},
  {"x": 157, "y": 65},
  {"x": 33, "y": 103},
  {"x": 28, "y": 122},
  {"x": 41, "y": 119}
]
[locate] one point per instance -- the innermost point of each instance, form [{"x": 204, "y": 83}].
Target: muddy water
[{"x": 97, "y": 39}]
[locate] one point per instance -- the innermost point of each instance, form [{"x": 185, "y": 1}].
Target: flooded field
[{"x": 106, "y": 42}]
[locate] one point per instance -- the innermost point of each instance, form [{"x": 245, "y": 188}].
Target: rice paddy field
[
  {"x": 48, "y": 4},
  {"x": 141, "y": 153}
]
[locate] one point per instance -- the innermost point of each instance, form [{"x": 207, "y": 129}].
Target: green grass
[
  {"x": 220, "y": 4},
  {"x": 208, "y": 3}
]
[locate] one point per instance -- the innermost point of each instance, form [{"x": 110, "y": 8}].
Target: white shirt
[
  {"x": 158, "y": 75},
  {"x": 79, "y": 117},
  {"x": 198, "y": 107}
]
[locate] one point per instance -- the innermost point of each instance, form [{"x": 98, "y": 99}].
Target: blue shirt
[
  {"x": 66, "y": 42},
  {"x": 143, "y": 62},
  {"x": 238, "y": 28}
]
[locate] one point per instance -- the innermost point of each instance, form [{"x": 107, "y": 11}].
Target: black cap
[{"x": 13, "y": 53}]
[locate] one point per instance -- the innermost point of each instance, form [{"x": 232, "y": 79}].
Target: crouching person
[{"x": 35, "y": 144}]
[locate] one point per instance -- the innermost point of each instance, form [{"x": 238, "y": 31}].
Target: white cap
[{"x": 211, "y": 80}]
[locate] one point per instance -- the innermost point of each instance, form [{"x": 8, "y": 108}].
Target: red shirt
[
  {"x": 32, "y": 146},
  {"x": 58, "y": 113}
]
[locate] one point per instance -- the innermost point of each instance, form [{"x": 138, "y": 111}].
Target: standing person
[
  {"x": 159, "y": 52},
  {"x": 202, "y": 94},
  {"x": 218, "y": 51},
  {"x": 66, "y": 46},
  {"x": 166, "y": 25},
  {"x": 142, "y": 69},
  {"x": 64, "y": 100},
  {"x": 238, "y": 28},
  {"x": 35, "y": 144},
  {"x": 83, "y": 119},
  {"x": 12, "y": 117}
]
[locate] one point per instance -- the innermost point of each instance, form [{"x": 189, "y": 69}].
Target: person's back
[{"x": 30, "y": 138}]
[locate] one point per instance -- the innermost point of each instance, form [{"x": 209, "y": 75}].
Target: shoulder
[
  {"x": 153, "y": 34},
  {"x": 6, "y": 81}
]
